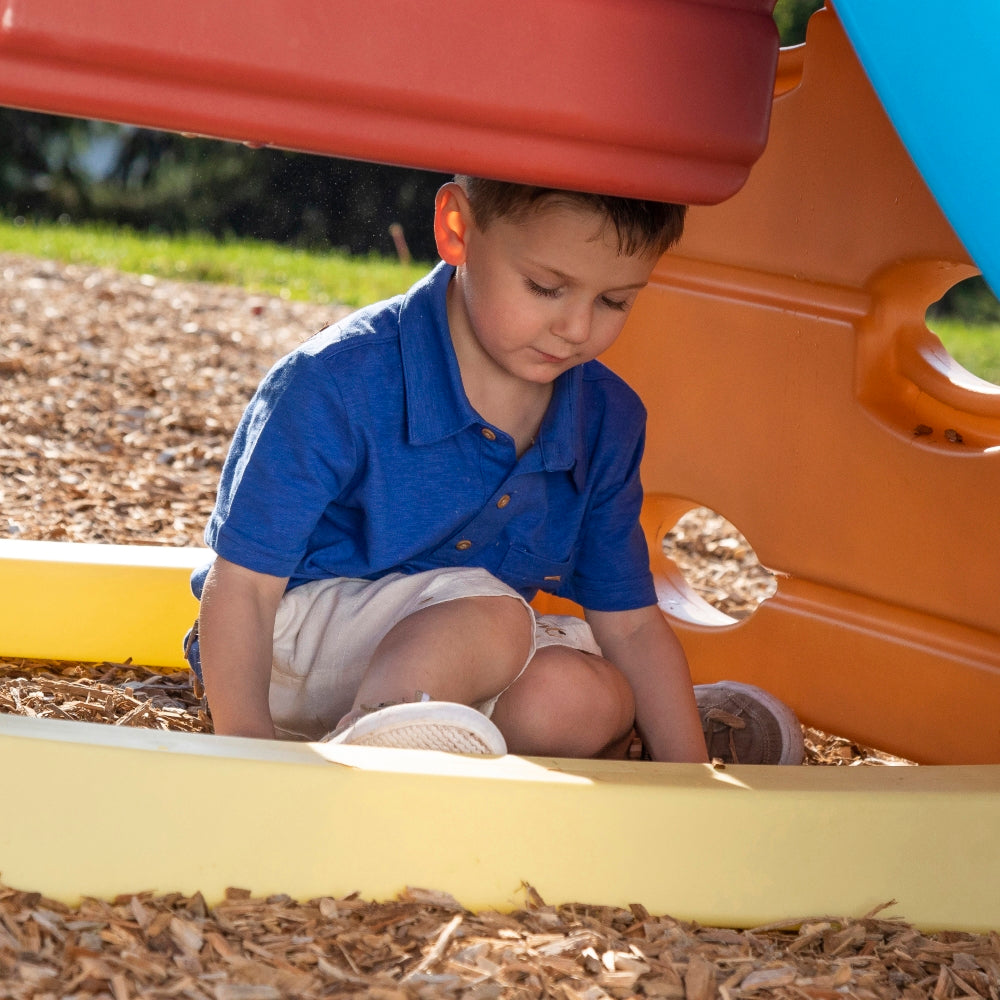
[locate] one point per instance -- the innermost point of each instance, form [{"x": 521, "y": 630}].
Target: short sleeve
[
  {"x": 612, "y": 571},
  {"x": 292, "y": 454}
]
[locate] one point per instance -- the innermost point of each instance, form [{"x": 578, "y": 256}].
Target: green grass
[
  {"x": 325, "y": 277},
  {"x": 975, "y": 347},
  {"x": 259, "y": 267}
]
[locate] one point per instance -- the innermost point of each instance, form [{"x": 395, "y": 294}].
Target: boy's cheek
[{"x": 610, "y": 337}]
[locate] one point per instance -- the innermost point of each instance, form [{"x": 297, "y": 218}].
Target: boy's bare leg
[
  {"x": 568, "y": 703},
  {"x": 465, "y": 650}
]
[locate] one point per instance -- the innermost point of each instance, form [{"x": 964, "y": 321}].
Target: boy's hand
[
  {"x": 643, "y": 646},
  {"x": 236, "y": 630}
]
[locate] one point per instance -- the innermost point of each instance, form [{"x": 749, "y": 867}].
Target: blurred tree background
[
  {"x": 792, "y": 16},
  {"x": 88, "y": 171}
]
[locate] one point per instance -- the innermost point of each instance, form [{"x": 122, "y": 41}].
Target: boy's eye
[
  {"x": 620, "y": 305},
  {"x": 537, "y": 289}
]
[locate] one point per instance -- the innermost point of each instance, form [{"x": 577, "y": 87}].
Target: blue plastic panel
[{"x": 935, "y": 65}]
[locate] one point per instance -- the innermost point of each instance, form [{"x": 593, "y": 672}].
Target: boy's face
[{"x": 542, "y": 295}]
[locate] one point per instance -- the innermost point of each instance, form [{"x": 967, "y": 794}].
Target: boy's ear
[{"x": 452, "y": 221}]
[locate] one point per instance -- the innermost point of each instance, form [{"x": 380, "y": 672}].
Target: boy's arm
[
  {"x": 643, "y": 646},
  {"x": 236, "y": 630}
]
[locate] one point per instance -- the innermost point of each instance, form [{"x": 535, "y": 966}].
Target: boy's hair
[{"x": 641, "y": 226}]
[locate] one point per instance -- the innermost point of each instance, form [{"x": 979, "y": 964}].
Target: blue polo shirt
[{"x": 360, "y": 455}]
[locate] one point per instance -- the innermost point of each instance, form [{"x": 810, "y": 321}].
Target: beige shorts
[{"x": 326, "y": 632}]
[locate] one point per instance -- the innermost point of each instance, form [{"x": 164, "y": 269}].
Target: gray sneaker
[{"x": 744, "y": 724}]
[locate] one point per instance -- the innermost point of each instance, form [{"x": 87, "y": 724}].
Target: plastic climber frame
[{"x": 783, "y": 356}]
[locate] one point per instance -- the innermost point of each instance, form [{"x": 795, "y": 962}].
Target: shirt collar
[
  {"x": 436, "y": 404},
  {"x": 562, "y": 438}
]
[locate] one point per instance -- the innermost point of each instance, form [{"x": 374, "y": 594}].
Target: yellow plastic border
[
  {"x": 98, "y": 810},
  {"x": 76, "y": 601}
]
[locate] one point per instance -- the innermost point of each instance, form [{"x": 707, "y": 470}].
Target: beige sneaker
[
  {"x": 425, "y": 725},
  {"x": 744, "y": 724}
]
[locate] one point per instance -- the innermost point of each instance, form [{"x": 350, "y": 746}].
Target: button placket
[
  {"x": 487, "y": 525},
  {"x": 485, "y": 528}
]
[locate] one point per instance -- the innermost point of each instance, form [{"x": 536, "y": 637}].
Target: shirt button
[
  {"x": 488, "y": 434},
  {"x": 503, "y": 501},
  {"x": 463, "y": 545}
]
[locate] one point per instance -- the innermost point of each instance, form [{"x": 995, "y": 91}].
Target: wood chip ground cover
[{"x": 118, "y": 395}]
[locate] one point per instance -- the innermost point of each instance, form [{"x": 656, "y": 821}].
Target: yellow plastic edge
[
  {"x": 75, "y": 601},
  {"x": 93, "y": 810}
]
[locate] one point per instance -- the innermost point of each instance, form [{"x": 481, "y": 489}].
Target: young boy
[{"x": 402, "y": 485}]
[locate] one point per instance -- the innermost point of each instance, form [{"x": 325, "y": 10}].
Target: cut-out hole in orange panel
[
  {"x": 907, "y": 378},
  {"x": 719, "y": 565},
  {"x": 967, "y": 321}
]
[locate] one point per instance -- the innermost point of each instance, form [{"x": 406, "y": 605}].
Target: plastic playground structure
[{"x": 783, "y": 356}]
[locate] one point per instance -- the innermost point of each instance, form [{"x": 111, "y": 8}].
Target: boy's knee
[
  {"x": 612, "y": 692},
  {"x": 503, "y": 625},
  {"x": 466, "y": 649},
  {"x": 568, "y": 703}
]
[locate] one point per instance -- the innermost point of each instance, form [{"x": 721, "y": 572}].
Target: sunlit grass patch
[
  {"x": 976, "y": 347},
  {"x": 261, "y": 267}
]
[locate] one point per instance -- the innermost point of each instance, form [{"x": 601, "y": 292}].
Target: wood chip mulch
[
  {"x": 116, "y": 694},
  {"x": 424, "y": 945},
  {"x": 118, "y": 395}
]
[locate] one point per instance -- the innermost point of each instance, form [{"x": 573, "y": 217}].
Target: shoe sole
[
  {"x": 428, "y": 725},
  {"x": 793, "y": 747}
]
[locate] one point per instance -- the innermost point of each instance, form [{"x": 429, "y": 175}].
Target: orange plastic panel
[
  {"x": 794, "y": 388},
  {"x": 665, "y": 99}
]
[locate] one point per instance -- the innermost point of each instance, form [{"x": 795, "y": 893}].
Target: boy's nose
[{"x": 575, "y": 326}]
